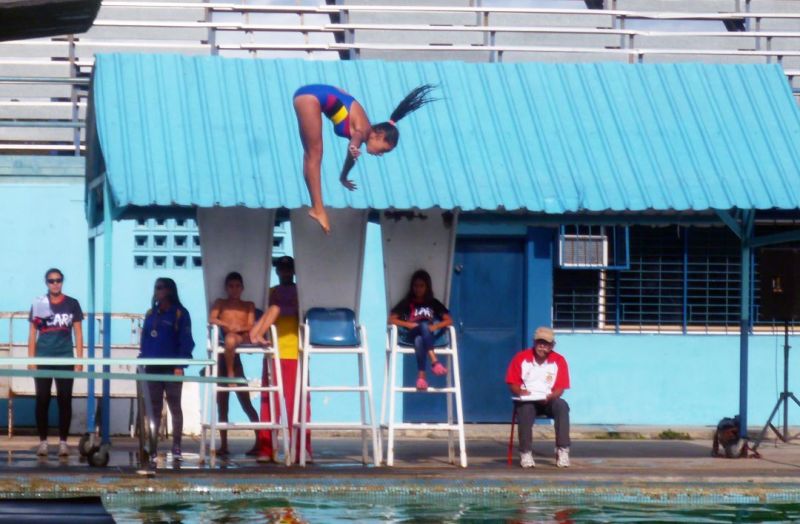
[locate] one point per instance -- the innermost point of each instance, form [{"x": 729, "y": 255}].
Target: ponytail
[{"x": 417, "y": 98}]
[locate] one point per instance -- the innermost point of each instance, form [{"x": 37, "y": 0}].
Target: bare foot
[
  {"x": 261, "y": 341},
  {"x": 322, "y": 217}
]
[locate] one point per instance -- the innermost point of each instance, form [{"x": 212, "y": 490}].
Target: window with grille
[{"x": 680, "y": 279}]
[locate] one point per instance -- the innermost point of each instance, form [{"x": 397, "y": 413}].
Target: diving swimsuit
[{"x": 334, "y": 102}]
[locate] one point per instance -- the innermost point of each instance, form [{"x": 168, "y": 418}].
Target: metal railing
[
  {"x": 43, "y": 87},
  {"x": 10, "y": 318}
]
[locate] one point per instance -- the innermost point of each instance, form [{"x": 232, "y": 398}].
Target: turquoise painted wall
[
  {"x": 672, "y": 379},
  {"x": 616, "y": 379}
]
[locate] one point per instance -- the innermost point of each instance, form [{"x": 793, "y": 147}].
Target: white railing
[
  {"x": 12, "y": 318},
  {"x": 43, "y": 82}
]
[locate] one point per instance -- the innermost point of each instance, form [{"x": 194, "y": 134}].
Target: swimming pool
[{"x": 325, "y": 510}]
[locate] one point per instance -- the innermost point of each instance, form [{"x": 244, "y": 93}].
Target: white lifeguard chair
[
  {"x": 411, "y": 241},
  {"x": 328, "y": 270},
  {"x": 271, "y": 359},
  {"x": 240, "y": 239}
]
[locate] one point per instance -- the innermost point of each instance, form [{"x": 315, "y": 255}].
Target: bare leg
[
  {"x": 222, "y": 404},
  {"x": 232, "y": 341},
  {"x": 257, "y": 334},
  {"x": 309, "y": 121}
]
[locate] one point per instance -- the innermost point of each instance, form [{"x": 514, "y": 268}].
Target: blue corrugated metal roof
[{"x": 554, "y": 138}]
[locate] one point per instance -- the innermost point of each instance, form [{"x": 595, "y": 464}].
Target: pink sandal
[
  {"x": 422, "y": 384},
  {"x": 438, "y": 369}
]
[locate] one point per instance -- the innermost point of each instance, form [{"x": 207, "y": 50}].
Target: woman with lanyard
[
  {"x": 53, "y": 319},
  {"x": 167, "y": 333},
  {"x": 350, "y": 121}
]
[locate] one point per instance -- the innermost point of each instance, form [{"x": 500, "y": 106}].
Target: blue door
[{"x": 487, "y": 303}]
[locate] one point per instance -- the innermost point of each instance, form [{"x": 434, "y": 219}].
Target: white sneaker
[
  {"x": 63, "y": 449},
  {"x": 562, "y": 457},
  {"x": 42, "y": 449},
  {"x": 526, "y": 460}
]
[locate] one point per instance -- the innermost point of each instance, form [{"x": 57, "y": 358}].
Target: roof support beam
[
  {"x": 777, "y": 238},
  {"x": 730, "y": 221}
]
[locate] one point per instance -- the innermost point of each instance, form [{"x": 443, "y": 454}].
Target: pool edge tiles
[{"x": 192, "y": 488}]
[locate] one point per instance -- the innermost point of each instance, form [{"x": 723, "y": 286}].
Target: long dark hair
[
  {"x": 418, "y": 97},
  {"x": 423, "y": 275},
  {"x": 172, "y": 292}
]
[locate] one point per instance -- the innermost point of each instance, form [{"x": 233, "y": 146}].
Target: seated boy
[{"x": 235, "y": 317}]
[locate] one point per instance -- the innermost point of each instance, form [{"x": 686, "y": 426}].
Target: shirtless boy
[{"x": 235, "y": 317}]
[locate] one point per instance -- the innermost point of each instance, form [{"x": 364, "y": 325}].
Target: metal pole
[
  {"x": 90, "y": 399},
  {"x": 105, "y": 415},
  {"x": 785, "y": 394},
  {"x": 744, "y": 318}
]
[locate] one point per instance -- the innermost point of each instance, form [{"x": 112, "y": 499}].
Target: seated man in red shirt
[{"x": 537, "y": 377}]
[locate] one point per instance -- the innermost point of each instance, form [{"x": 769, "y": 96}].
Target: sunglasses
[{"x": 55, "y": 280}]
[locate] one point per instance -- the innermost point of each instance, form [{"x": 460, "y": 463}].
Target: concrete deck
[{"x": 610, "y": 465}]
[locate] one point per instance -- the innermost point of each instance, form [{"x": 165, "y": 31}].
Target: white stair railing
[
  {"x": 391, "y": 389},
  {"x": 303, "y": 389},
  {"x": 210, "y": 424}
]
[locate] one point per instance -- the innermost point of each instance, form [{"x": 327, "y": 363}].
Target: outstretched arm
[{"x": 349, "y": 162}]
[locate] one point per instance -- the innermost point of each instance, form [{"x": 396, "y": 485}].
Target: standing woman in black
[{"x": 53, "y": 319}]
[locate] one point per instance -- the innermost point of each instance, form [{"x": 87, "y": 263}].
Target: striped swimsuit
[{"x": 335, "y": 104}]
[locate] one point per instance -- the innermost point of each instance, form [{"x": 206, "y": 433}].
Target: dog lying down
[{"x": 727, "y": 437}]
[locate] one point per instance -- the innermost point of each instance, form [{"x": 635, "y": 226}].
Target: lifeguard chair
[
  {"x": 328, "y": 269},
  {"x": 240, "y": 239},
  {"x": 411, "y": 241}
]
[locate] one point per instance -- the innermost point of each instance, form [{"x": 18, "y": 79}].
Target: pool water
[{"x": 436, "y": 509}]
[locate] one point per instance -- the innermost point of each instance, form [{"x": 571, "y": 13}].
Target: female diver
[{"x": 349, "y": 121}]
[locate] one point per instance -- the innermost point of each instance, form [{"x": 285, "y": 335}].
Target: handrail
[
  {"x": 338, "y": 9},
  {"x": 10, "y": 316},
  {"x": 340, "y": 28}
]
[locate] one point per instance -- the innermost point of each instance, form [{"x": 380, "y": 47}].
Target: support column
[
  {"x": 744, "y": 316},
  {"x": 105, "y": 415},
  {"x": 90, "y": 331}
]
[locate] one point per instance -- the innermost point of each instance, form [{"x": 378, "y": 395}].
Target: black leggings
[{"x": 63, "y": 397}]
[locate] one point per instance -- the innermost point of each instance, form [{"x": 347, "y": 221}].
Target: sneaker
[
  {"x": 562, "y": 457},
  {"x": 176, "y": 453},
  {"x": 42, "y": 449},
  {"x": 63, "y": 449},
  {"x": 526, "y": 460},
  {"x": 438, "y": 369},
  {"x": 422, "y": 384}
]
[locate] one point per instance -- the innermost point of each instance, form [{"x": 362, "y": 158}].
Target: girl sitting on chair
[
  {"x": 349, "y": 121},
  {"x": 423, "y": 316}
]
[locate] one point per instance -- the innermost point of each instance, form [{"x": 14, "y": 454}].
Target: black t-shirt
[
  {"x": 411, "y": 311},
  {"x": 55, "y": 326}
]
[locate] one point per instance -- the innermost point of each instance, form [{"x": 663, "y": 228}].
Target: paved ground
[{"x": 666, "y": 466}]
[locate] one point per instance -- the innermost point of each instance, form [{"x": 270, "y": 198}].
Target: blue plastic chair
[
  {"x": 334, "y": 331},
  {"x": 332, "y": 327}
]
